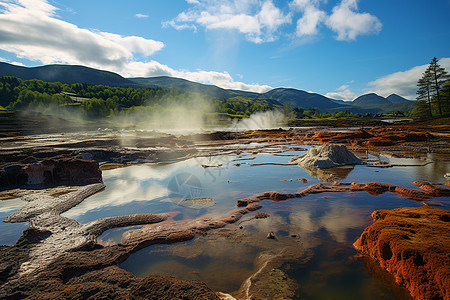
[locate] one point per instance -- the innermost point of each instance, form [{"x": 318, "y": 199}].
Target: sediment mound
[
  {"x": 412, "y": 243},
  {"x": 326, "y": 156}
]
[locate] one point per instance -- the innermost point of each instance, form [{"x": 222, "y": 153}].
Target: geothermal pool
[{"x": 323, "y": 225}]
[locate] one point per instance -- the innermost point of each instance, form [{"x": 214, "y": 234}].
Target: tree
[
  {"x": 437, "y": 77},
  {"x": 421, "y": 110},
  {"x": 424, "y": 92},
  {"x": 445, "y": 96}
]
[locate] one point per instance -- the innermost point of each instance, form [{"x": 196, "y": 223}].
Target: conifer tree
[
  {"x": 438, "y": 78},
  {"x": 423, "y": 94},
  {"x": 430, "y": 85}
]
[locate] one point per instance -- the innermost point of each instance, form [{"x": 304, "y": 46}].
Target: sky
[{"x": 338, "y": 48}]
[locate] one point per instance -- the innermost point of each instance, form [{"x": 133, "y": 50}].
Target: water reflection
[
  {"x": 11, "y": 205},
  {"x": 328, "y": 222},
  {"x": 150, "y": 188},
  {"x": 330, "y": 175},
  {"x": 10, "y": 232},
  {"x": 222, "y": 263}
]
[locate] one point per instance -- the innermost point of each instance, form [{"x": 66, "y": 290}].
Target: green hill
[
  {"x": 65, "y": 74},
  {"x": 370, "y": 100},
  {"x": 298, "y": 98}
]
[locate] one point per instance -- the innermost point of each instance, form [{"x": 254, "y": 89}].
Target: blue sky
[{"x": 338, "y": 48}]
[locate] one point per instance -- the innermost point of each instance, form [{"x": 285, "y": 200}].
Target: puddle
[{"x": 11, "y": 232}]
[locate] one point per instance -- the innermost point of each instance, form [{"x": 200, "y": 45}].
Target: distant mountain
[
  {"x": 276, "y": 97},
  {"x": 370, "y": 100},
  {"x": 210, "y": 90},
  {"x": 302, "y": 99},
  {"x": 341, "y": 102},
  {"x": 394, "y": 98},
  {"x": 64, "y": 74},
  {"x": 186, "y": 85},
  {"x": 279, "y": 96}
]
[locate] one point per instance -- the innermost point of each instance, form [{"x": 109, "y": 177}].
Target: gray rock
[{"x": 326, "y": 156}]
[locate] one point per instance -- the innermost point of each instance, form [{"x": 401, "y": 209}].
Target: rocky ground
[
  {"x": 60, "y": 258},
  {"x": 413, "y": 245}
]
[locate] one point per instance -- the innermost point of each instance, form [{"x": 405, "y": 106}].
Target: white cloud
[
  {"x": 346, "y": 95},
  {"x": 261, "y": 20},
  {"x": 30, "y": 29},
  {"x": 11, "y": 62},
  {"x": 221, "y": 79},
  {"x": 257, "y": 20},
  {"x": 179, "y": 27},
  {"x": 302, "y": 4},
  {"x": 342, "y": 93},
  {"x": 141, "y": 16},
  {"x": 348, "y": 23},
  {"x": 308, "y": 23},
  {"x": 403, "y": 83},
  {"x": 312, "y": 16}
]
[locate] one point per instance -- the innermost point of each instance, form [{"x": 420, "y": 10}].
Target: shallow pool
[{"x": 324, "y": 224}]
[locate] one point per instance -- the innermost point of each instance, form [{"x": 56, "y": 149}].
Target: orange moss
[{"x": 413, "y": 244}]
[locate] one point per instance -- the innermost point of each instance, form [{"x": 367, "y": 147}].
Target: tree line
[
  {"x": 102, "y": 101},
  {"x": 433, "y": 94}
]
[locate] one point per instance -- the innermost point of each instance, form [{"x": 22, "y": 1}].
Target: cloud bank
[
  {"x": 32, "y": 30},
  {"x": 262, "y": 21},
  {"x": 257, "y": 21}
]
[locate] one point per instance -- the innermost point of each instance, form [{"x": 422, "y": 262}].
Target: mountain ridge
[
  {"x": 278, "y": 96},
  {"x": 65, "y": 74}
]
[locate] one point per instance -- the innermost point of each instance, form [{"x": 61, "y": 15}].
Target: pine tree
[
  {"x": 445, "y": 96},
  {"x": 430, "y": 85},
  {"x": 438, "y": 78},
  {"x": 423, "y": 94}
]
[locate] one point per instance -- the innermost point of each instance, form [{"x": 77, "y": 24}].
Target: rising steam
[{"x": 260, "y": 120}]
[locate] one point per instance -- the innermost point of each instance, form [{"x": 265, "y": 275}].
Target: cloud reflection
[
  {"x": 11, "y": 205},
  {"x": 140, "y": 183},
  {"x": 307, "y": 218}
]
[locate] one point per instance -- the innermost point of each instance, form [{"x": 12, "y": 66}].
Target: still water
[{"x": 326, "y": 224}]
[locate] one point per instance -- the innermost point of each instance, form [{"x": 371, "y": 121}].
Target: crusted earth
[{"x": 413, "y": 244}]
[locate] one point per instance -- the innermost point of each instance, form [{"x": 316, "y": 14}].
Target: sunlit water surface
[{"x": 326, "y": 223}]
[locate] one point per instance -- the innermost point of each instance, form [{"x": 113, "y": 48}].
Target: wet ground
[{"x": 320, "y": 227}]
